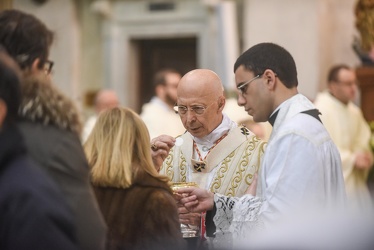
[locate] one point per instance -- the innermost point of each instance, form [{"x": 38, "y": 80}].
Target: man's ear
[
  {"x": 3, "y": 112},
  {"x": 221, "y": 103},
  {"x": 35, "y": 65},
  {"x": 270, "y": 78}
]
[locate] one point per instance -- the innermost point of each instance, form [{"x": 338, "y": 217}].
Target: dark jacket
[
  {"x": 34, "y": 214},
  {"x": 143, "y": 216},
  {"x": 51, "y": 128}
]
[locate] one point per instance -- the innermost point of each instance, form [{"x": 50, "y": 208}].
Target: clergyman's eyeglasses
[{"x": 198, "y": 109}]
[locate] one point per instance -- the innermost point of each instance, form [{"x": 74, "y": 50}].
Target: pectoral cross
[{"x": 198, "y": 166}]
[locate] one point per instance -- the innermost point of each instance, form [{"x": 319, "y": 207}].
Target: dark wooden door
[
  {"x": 365, "y": 76},
  {"x": 156, "y": 54}
]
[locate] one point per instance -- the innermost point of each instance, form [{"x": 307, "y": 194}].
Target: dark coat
[
  {"x": 50, "y": 127},
  {"x": 34, "y": 214},
  {"x": 143, "y": 216}
]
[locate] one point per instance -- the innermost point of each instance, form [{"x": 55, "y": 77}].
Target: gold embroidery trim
[
  {"x": 183, "y": 168},
  {"x": 169, "y": 172},
  {"x": 217, "y": 182}
]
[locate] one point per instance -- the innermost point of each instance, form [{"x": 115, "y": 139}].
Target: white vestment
[
  {"x": 351, "y": 134},
  {"x": 229, "y": 166},
  {"x": 301, "y": 169},
  {"x": 160, "y": 119}
]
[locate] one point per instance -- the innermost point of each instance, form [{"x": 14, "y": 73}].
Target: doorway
[{"x": 156, "y": 54}]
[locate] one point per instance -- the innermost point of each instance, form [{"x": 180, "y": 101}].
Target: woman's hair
[{"x": 118, "y": 149}]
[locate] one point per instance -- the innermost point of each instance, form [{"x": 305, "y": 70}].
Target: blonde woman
[{"x": 136, "y": 202}]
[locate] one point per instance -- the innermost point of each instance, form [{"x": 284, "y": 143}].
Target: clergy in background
[{"x": 350, "y": 132}]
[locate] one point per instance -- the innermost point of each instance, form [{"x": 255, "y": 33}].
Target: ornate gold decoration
[
  {"x": 183, "y": 168},
  {"x": 217, "y": 182},
  {"x": 365, "y": 23},
  {"x": 169, "y": 172}
]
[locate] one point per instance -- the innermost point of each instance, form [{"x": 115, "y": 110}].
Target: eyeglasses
[
  {"x": 243, "y": 87},
  {"x": 48, "y": 65},
  {"x": 199, "y": 110}
]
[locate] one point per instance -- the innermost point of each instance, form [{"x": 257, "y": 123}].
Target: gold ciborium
[{"x": 188, "y": 231}]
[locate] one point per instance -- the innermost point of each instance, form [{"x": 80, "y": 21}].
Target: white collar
[{"x": 222, "y": 129}]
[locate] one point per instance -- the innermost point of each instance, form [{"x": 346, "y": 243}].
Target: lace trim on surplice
[{"x": 235, "y": 218}]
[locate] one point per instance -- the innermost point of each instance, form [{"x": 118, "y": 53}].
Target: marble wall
[
  {"x": 92, "y": 48},
  {"x": 318, "y": 33}
]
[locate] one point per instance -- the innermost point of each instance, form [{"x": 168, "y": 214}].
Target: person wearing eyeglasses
[
  {"x": 34, "y": 213},
  {"x": 350, "y": 131},
  {"x": 301, "y": 168},
  {"x": 158, "y": 113},
  {"x": 50, "y": 124},
  {"x": 215, "y": 153}
]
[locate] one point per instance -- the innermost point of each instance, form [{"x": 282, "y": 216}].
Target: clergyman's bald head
[
  {"x": 201, "y": 81},
  {"x": 201, "y": 88},
  {"x": 105, "y": 99}
]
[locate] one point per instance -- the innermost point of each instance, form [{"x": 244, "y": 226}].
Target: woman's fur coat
[
  {"x": 51, "y": 128},
  {"x": 141, "y": 217}
]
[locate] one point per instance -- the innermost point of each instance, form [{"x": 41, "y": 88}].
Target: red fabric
[{"x": 203, "y": 229}]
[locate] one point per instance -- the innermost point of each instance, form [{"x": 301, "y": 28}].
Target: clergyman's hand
[
  {"x": 160, "y": 147},
  {"x": 363, "y": 160},
  {"x": 196, "y": 200},
  {"x": 185, "y": 216},
  {"x": 191, "y": 219}
]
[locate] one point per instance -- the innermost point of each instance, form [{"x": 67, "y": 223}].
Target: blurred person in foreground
[
  {"x": 301, "y": 168},
  {"x": 50, "y": 123},
  {"x": 215, "y": 152},
  {"x": 350, "y": 132},
  {"x": 136, "y": 201},
  {"x": 104, "y": 99},
  {"x": 158, "y": 114},
  {"x": 34, "y": 214}
]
